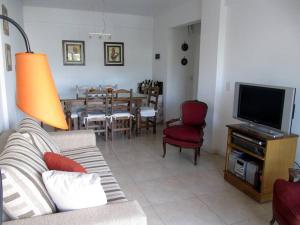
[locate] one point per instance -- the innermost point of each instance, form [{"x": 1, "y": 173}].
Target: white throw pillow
[{"x": 71, "y": 190}]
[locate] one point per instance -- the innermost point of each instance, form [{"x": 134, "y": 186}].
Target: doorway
[{"x": 183, "y": 66}]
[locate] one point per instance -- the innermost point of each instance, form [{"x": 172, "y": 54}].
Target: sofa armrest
[
  {"x": 73, "y": 139},
  {"x": 125, "y": 213}
]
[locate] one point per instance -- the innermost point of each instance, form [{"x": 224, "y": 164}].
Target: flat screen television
[{"x": 271, "y": 107}]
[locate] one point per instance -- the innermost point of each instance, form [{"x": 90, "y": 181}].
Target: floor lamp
[{"x": 36, "y": 94}]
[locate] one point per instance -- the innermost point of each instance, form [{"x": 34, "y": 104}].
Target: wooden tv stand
[{"x": 278, "y": 157}]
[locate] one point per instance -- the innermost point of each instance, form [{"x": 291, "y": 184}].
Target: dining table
[{"x": 137, "y": 101}]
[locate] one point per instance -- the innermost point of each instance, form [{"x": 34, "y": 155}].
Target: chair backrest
[
  {"x": 70, "y": 106},
  {"x": 97, "y": 104},
  {"x": 94, "y": 92},
  {"x": 153, "y": 93},
  {"x": 121, "y": 100},
  {"x": 193, "y": 113},
  {"x": 109, "y": 86}
]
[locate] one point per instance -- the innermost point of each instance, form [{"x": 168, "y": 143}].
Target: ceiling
[{"x": 136, "y": 7}]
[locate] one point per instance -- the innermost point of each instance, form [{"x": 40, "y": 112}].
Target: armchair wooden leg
[
  {"x": 272, "y": 221},
  {"x": 180, "y": 149},
  {"x": 164, "y": 148},
  {"x": 195, "y": 156}
]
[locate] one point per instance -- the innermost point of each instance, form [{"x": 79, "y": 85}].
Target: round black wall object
[
  {"x": 184, "y": 47},
  {"x": 184, "y": 61}
]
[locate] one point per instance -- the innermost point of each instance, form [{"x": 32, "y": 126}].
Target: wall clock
[
  {"x": 184, "y": 47},
  {"x": 184, "y": 61}
]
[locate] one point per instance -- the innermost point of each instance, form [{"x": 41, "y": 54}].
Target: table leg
[
  {"x": 138, "y": 120},
  {"x": 69, "y": 120}
]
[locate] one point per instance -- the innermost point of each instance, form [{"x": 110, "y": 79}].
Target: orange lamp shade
[{"x": 36, "y": 92}]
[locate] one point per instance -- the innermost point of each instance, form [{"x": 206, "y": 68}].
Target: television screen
[{"x": 261, "y": 105}]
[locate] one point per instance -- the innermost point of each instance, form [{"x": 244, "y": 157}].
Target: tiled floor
[{"x": 173, "y": 190}]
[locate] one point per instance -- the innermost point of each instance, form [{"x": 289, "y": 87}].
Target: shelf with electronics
[{"x": 255, "y": 160}]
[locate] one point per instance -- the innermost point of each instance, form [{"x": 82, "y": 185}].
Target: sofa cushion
[
  {"x": 37, "y": 136},
  {"x": 4, "y": 137},
  {"x": 92, "y": 160},
  {"x": 59, "y": 162},
  {"x": 184, "y": 133},
  {"x": 23, "y": 190}
]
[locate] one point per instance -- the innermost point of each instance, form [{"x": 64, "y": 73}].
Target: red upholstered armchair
[
  {"x": 286, "y": 201},
  {"x": 188, "y": 134}
]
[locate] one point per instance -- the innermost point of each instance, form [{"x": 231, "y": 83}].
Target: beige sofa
[{"x": 81, "y": 146}]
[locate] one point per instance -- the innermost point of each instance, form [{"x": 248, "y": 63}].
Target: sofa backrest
[{"x": 3, "y": 139}]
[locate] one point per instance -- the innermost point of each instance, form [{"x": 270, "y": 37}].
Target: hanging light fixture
[{"x": 102, "y": 35}]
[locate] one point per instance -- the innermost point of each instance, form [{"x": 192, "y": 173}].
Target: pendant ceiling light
[{"x": 103, "y": 35}]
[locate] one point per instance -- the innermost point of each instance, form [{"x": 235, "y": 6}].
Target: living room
[{"x": 240, "y": 41}]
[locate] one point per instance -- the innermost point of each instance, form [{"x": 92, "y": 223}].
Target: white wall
[
  {"x": 181, "y": 79},
  {"x": 261, "y": 46},
  {"x": 187, "y": 13},
  {"x": 196, "y": 57},
  {"x": 9, "y": 113},
  {"x": 211, "y": 49},
  {"x": 47, "y": 28}
]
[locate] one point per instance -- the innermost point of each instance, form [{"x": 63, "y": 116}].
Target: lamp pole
[{"x": 28, "y": 49}]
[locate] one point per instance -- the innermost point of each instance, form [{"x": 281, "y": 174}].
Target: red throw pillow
[{"x": 58, "y": 162}]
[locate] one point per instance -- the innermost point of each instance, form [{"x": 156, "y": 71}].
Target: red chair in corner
[
  {"x": 286, "y": 200},
  {"x": 189, "y": 133}
]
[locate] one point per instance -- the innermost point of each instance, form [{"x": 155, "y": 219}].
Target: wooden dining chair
[
  {"x": 121, "y": 116},
  {"x": 96, "y": 113},
  {"x": 148, "y": 113}
]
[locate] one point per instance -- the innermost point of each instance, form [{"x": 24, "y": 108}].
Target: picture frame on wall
[
  {"x": 113, "y": 53},
  {"x": 73, "y": 53},
  {"x": 5, "y": 23},
  {"x": 8, "y": 58}
]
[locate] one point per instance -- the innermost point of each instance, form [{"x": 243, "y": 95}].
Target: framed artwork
[
  {"x": 5, "y": 23},
  {"x": 113, "y": 53},
  {"x": 8, "y": 57},
  {"x": 73, "y": 53}
]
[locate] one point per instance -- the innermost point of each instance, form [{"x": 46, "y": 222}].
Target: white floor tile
[
  {"x": 152, "y": 217},
  {"x": 174, "y": 191},
  {"x": 132, "y": 192},
  {"x": 232, "y": 206},
  {"x": 164, "y": 190},
  {"x": 187, "y": 212}
]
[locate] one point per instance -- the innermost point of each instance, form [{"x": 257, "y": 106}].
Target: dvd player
[
  {"x": 255, "y": 141},
  {"x": 251, "y": 144}
]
